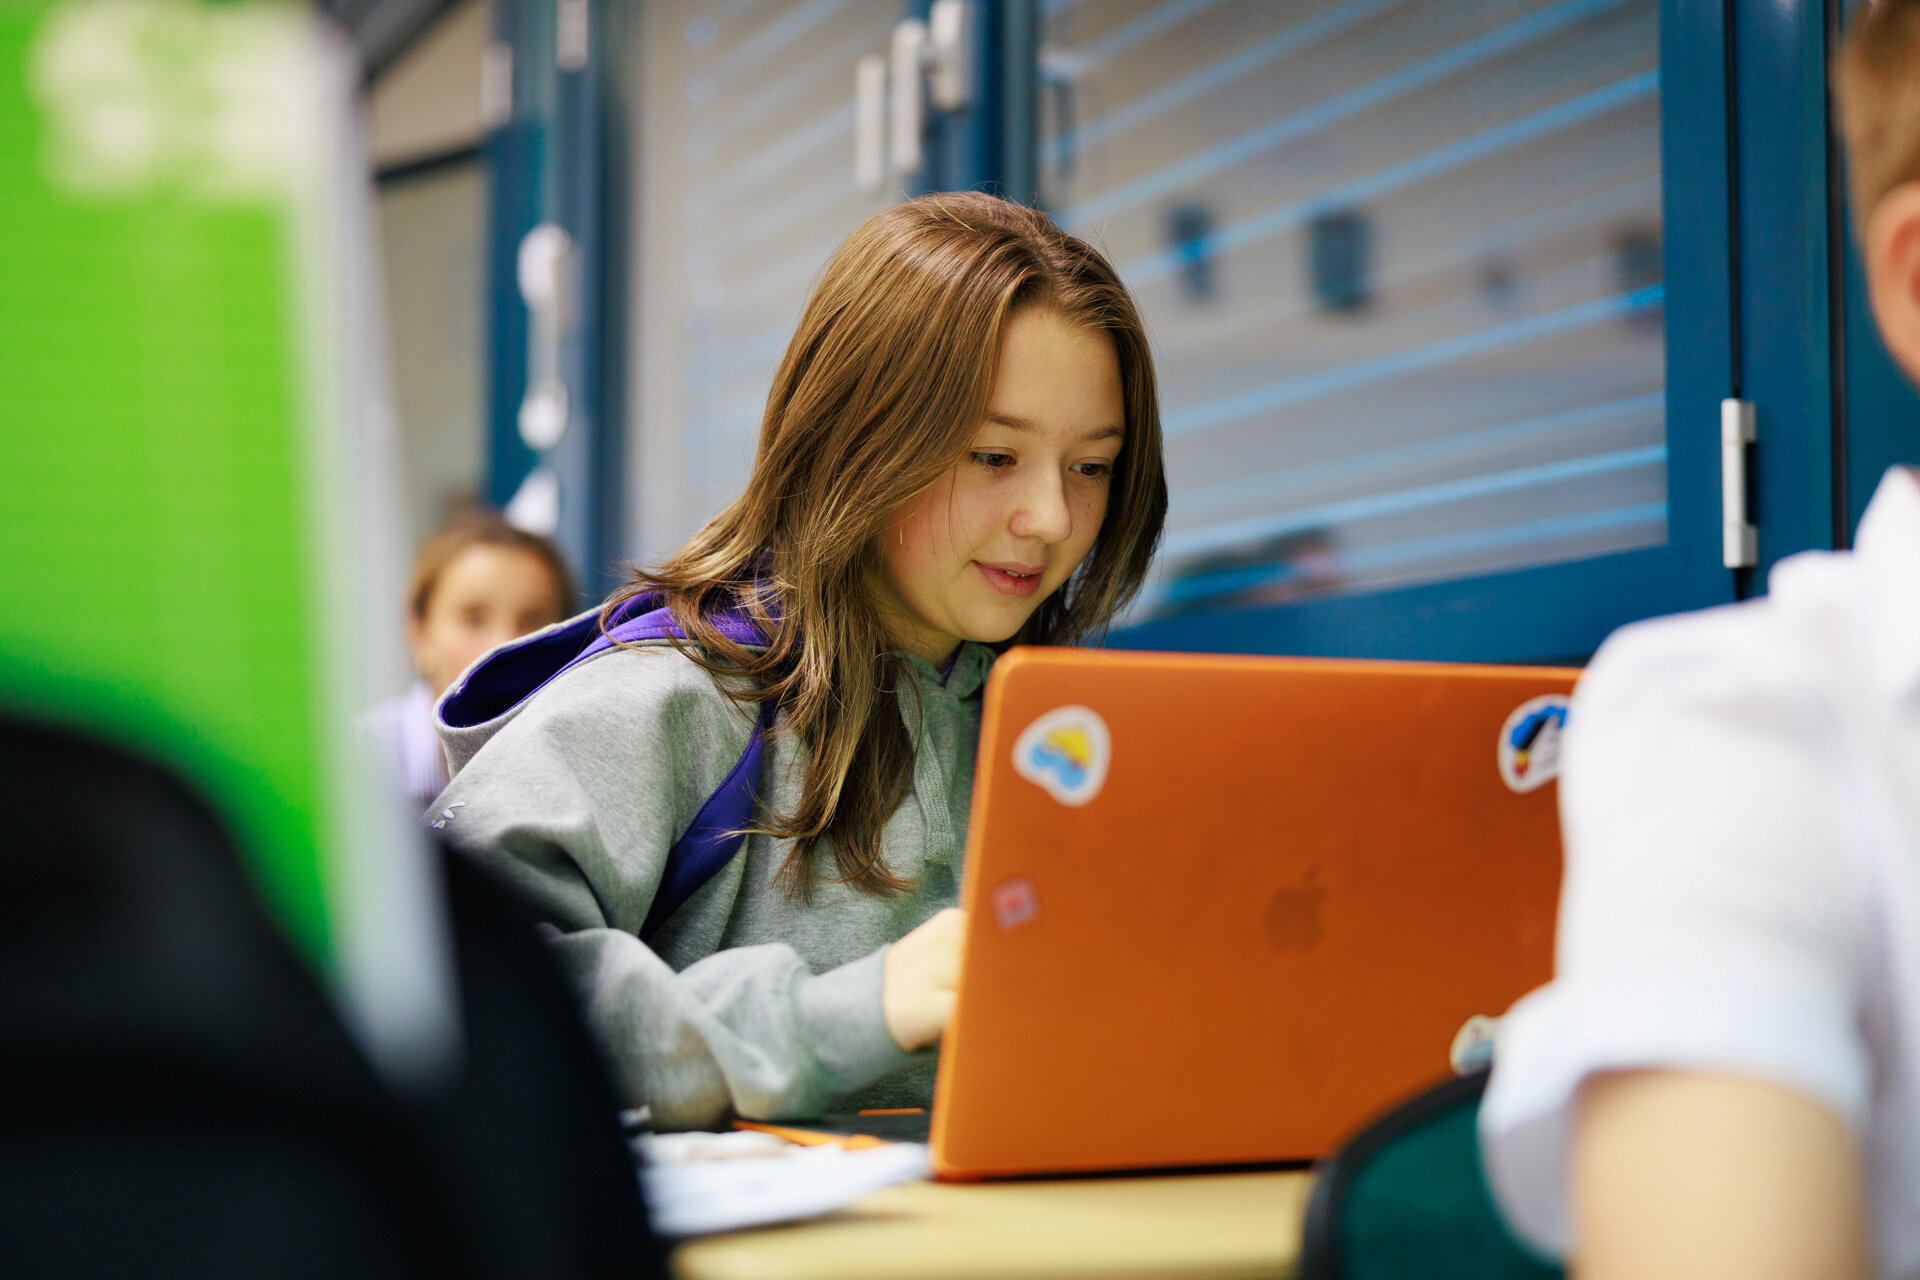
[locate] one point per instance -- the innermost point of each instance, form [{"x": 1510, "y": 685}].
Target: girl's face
[
  {"x": 975, "y": 555},
  {"x": 485, "y": 596}
]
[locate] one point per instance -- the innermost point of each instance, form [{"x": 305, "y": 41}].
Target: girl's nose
[{"x": 1043, "y": 512}]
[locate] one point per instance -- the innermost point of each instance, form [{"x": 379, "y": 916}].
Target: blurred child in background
[
  {"x": 478, "y": 582},
  {"x": 1723, "y": 1078}
]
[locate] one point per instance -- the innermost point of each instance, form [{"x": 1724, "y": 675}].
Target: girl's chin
[{"x": 996, "y": 626}]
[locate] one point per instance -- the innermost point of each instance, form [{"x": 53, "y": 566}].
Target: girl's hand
[{"x": 918, "y": 977}]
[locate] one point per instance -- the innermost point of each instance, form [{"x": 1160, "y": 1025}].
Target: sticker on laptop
[
  {"x": 1065, "y": 752},
  {"x": 1014, "y": 903},
  {"x": 1473, "y": 1044},
  {"x": 1530, "y": 742}
]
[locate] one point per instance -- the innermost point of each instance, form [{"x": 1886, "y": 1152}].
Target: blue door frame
[
  {"x": 1784, "y": 198},
  {"x": 560, "y": 158},
  {"x": 516, "y": 154}
]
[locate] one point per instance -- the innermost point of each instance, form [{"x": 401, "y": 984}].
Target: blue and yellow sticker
[
  {"x": 1529, "y": 750},
  {"x": 1065, "y": 752}
]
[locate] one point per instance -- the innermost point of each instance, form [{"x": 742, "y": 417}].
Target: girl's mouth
[{"x": 1010, "y": 582}]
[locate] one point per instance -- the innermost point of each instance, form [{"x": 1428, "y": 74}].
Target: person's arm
[
  {"x": 747, "y": 1031},
  {"x": 576, "y": 803},
  {"x": 1716, "y": 920},
  {"x": 1695, "y": 1176}
]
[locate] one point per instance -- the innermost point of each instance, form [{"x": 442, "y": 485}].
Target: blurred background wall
[{"x": 427, "y": 138}]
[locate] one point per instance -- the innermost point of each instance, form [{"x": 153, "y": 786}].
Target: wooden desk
[{"x": 1225, "y": 1225}]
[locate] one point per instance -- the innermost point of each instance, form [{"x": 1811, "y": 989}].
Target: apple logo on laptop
[
  {"x": 1293, "y": 914},
  {"x": 1065, "y": 753}
]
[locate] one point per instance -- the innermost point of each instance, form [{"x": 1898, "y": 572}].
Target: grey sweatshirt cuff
[{"x": 844, "y": 1026}]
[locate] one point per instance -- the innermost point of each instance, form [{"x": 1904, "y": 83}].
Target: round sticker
[
  {"x": 1473, "y": 1044},
  {"x": 1065, "y": 752},
  {"x": 1530, "y": 742},
  {"x": 1014, "y": 903}
]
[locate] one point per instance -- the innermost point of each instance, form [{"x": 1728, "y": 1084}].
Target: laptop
[{"x": 1222, "y": 910}]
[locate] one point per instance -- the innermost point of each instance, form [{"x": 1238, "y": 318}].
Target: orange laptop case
[{"x": 1224, "y": 909}]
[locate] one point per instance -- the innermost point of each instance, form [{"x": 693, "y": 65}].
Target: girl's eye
[
  {"x": 1094, "y": 470},
  {"x": 993, "y": 461}
]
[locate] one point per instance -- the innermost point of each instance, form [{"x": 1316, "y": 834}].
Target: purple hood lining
[{"x": 515, "y": 672}]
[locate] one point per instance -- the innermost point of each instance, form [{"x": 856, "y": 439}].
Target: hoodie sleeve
[{"x": 576, "y": 801}]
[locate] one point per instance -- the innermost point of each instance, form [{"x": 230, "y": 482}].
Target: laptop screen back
[{"x": 1222, "y": 909}]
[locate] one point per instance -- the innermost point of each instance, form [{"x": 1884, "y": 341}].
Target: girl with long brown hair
[{"x": 961, "y": 451}]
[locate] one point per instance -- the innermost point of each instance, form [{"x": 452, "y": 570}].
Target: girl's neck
[{"x": 936, "y": 650}]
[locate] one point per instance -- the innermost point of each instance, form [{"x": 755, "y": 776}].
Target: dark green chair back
[{"x": 1406, "y": 1197}]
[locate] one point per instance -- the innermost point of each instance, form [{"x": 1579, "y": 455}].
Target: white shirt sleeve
[{"x": 1713, "y": 911}]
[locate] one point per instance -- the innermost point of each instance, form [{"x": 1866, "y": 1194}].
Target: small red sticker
[{"x": 1014, "y": 903}]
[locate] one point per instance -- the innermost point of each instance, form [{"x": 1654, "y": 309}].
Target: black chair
[{"x": 180, "y": 1098}]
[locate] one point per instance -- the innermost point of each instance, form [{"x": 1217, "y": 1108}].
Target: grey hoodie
[{"x": 749, "y": 1001}]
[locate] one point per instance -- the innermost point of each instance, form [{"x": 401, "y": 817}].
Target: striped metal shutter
[{"x": 1401, "y": 263}]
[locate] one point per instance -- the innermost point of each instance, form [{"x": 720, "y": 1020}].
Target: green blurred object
[
  {"x": 155, "y": 557},
  {"x": 1406, "y": 1198},
  {"x": 198, "y": 541}
]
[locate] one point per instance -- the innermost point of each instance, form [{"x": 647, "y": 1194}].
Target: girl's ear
[{"x": 1891, "y": 248}]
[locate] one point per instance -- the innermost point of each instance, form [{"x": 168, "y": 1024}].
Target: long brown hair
[{"x": 880, "y": 393}]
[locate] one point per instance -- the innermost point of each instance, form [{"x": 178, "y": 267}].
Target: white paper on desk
[{"x": 698, "y": 1197}]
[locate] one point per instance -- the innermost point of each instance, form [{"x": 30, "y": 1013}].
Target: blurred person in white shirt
[{"x": 1723, "y": 1078}]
